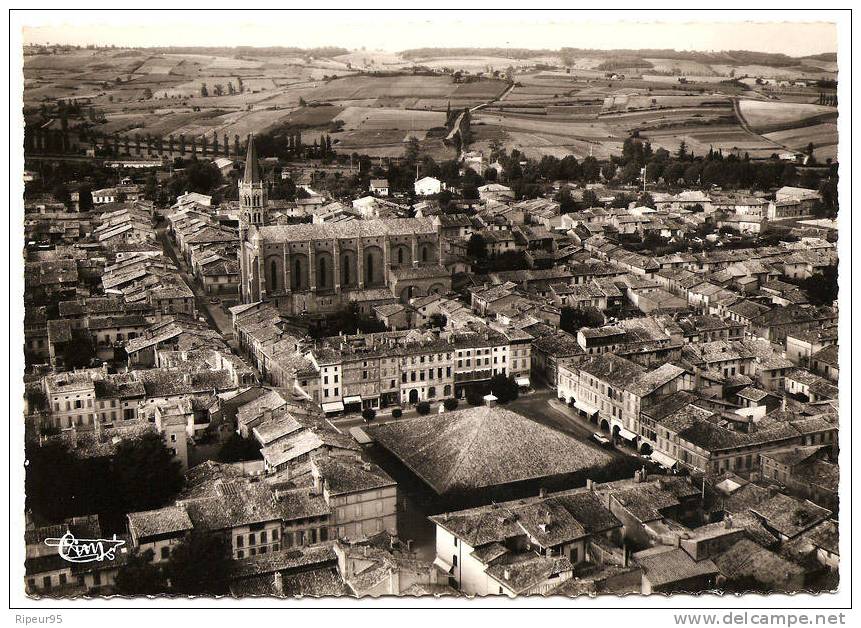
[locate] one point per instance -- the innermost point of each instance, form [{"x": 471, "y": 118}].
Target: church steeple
[
  {"x": 252, "y": 170},
  {"x": 252, "y": 191}
]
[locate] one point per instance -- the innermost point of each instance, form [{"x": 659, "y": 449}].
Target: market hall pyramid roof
[{"x": 483, "y": 447}]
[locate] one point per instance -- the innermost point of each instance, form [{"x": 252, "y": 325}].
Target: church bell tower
[
  {"x": 253, "y": 208},
  {"x": 252, "y": 191}
]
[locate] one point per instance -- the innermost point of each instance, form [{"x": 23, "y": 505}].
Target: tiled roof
[
  {"x": 664, "y": 565},
  {"x": 167, "y": 520},
  {"x": 482, "y": 447}
]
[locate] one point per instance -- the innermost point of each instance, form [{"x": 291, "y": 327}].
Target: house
[
  {"x": 524, "y": 547},
  {"x": 159, "y": 530},
  {"x": 805, "y": 472},
  {"x": 495, "y": 192},
  {"x": 379, "y": 187},
  {"x": 428, "y": 186},
  {"x": 667, "y": 570}
]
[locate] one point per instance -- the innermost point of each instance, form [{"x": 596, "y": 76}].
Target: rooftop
[{"x": 482, "y": 447}]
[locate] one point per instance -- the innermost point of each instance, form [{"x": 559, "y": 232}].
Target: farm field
[
  {"x": 765, "y": 116},
  {"x": 823, "y": 136},
  {"x": 727, "y": 138},
  {"x": 681, "y": 67},
  {"x": 556, "y": 106}
]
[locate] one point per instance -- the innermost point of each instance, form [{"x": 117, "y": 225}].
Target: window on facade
[
  {"x": 321, "y": 273},
  {"x": 273, "y": 275}
]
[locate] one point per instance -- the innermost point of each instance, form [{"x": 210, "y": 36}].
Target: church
[{"x": 320, "y": 268}]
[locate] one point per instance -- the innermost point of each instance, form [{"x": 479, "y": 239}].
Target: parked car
[{"x": 602, "y": 440}]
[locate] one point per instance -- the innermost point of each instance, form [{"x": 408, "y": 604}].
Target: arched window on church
[
  {"x": 424, "y": 253},
  {"x": 400, "y": 255},
  {"x": 297, "y": 274},
  {"x": 370, "y": 268},
  {"x": 346, "y": 266},
  {"x": 321, "y": 273},
  {"x": 273, "y": 276}
]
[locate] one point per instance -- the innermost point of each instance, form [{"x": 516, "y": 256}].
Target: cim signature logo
[{"x": 85, "y": 550}]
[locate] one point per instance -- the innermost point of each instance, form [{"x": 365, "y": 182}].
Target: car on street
[{"x": 602, "y": 440}]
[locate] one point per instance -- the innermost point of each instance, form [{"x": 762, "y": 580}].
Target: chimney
[
  {"x": 589, "y": 484},
  {"x": 727, "y": 522},
  {"x": 507, "y": 574},
  {"x": 279, "y": 583},
  {"x": 542, "y": 492}
]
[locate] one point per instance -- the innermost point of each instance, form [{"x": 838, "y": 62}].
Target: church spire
[{"x": 252, "y": 170}]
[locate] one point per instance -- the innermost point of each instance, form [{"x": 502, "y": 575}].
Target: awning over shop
[
  {"x": 352, "y": 399},
  {"x": 663, "y": 459},
  {"x": 588, "y": 408},
  {"x": 443, "y": 566},
  {"x": 333, "y": 406},
  {"x": 522, "y": 381},
  {"x": 360, "y": 436},
  {"x": 627, "y": 434}
]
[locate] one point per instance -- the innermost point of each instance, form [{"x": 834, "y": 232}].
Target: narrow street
[{"x": 214, "y": 312}]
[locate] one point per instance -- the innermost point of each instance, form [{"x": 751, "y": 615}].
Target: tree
[
  {"x": 437, "y": 320},
  {"x": 450, "y": 403},
  {"x": 566, "y": 201},
  {"x": 204, "y": 91},
  {"x": 477, "y": 246},
  {"x": 397, "y": 413},
  {"x": 590, "y": 199},
  {"x": 239, "y": 449},
  {"x": 411, "y": 150},
  {"x": 821, "y": 288},
  {"x": 572, "y": 319},
  {"x": 145, "y": 474},
  {"x": 139, "y": 576},
  {"x": 369, "y": 414},
  {"x": 78, "y": 352},
  {"x": 646, "y": 200},
  {"x": 37, "y": 400},
  {"x": 218, "y": 89},
  {"x": 504, "y": 388},
  {"x": 423, "y": 408},
  {"x": 51, "y": 480},
  {"x": 147, "y": 93},
  {"x": 199, "y": 565}
]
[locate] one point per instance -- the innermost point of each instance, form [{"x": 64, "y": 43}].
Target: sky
[{"x": 397, "y": 30}]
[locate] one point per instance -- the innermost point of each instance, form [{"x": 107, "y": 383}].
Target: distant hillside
[
  {"x": 825, "y": 56},
  {"x": 568, "y": 55},
  {"x": 272, "y": 51},
  {"x": 513, "y": 53}
]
